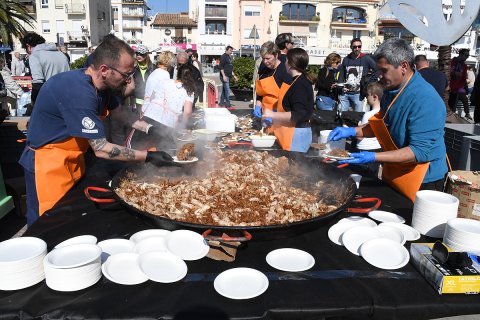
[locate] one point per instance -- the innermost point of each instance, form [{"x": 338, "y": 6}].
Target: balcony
[
  {"x": 349, "y": 23},
  {"x": 129, "y": 27},
  {"x": 76, "y": 37},
  {"x": 179, "y": 40},
  {"x": 299, "y": 19},
  {"x": 216, "y": 12},
  {"x": 134, "y": 2},
  {"x": 75, "y": 8}
]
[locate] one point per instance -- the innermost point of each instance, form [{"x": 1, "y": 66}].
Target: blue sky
[{"x": 168, "y": 6}]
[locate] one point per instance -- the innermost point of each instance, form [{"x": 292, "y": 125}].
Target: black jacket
[
  {"x": 139, "y": 92},
  {"x": 325, "y": 81}
]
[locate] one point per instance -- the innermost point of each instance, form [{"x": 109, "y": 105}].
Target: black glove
[{"x": 159, "y": 158}]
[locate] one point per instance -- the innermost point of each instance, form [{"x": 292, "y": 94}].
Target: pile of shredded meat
[{"x": 239, "y": 189}]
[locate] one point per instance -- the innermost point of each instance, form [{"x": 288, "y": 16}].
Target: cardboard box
[
  {"x": 444, "y": 279},
  {"x": 465, "y": 185}
]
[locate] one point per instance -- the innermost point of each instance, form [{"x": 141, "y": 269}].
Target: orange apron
[
  {"x": 269, "y": 90},
  {"x": 283, "y": 133},
  {"x": 406, "y": 178},
  {"x": 58, "y": 166}
]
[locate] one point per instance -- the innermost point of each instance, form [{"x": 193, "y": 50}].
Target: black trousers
[{"x": 453, "y": 100}]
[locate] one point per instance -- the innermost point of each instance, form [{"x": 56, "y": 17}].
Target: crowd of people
[{"x": 126, "y": 107}]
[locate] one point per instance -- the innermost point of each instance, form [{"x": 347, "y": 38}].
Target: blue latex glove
[
  {"x": 360, "y": 158},
  {"x": 267, "y": 122},
  {"x": 257, "y": 111},
  {"x": 340, "y": 133}
]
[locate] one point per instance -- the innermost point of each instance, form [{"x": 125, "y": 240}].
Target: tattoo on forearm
[
  {"x": 128, "y": 153},
  {"x": 97, "y": 144},
  {"x": 114, "y": 152}
]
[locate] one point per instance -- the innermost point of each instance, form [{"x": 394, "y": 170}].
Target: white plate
[
  {"x": 325, "y": 155},
  {"x": 187, "y": 245},
  {"x": 241, "y": 283},
  {"x": 359, "y": 220},
  {"x": 353, "y": 238},
  {"x": 140, "y": 235},
  {"x": 288, "y": 259},
  {"x": 385, "y": 254},
  {"x": 194, "y": 159},
  {"x": 23, "y": 249},
  {"x": 385, "y": 216},
  {"x": 123, "y": 268},
  {"x": 72, "y": 256},
  {"x": 410, "y": 233},
  {"x": 391, "y": 233},
  {"x": 88, "y": 239},
  {"x": 157, "y": 244},
  {"x": 114, "y": 246},
  {"x": 336, "y": 231},
  {"x": 162, "y": 267}
]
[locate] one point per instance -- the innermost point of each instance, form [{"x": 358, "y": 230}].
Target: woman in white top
[{"x": 166, "y": 109}]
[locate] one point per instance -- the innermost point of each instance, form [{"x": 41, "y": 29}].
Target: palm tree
[{"x": 12, "y": 14}]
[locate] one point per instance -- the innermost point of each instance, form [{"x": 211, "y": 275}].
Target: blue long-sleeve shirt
[{"x": 417, "y": 120}]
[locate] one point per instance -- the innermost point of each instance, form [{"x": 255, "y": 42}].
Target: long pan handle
[
  {"x": 98, "y": 189},
  {"x": 226, "y": 238},
  {"x": 377, "y": 203}
]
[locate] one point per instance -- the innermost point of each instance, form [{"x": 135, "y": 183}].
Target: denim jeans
[
  {"x": 325, "y": 103},
  {"x": 225, "y": 96},
  {"x": 347, "y": 98}
]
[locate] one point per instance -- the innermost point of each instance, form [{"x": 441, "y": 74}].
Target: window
[
  {"x": 46, "y": 26},
  {"x": 298, "y": 11},
  {"x": 349, "y": 15},
  {"x": 398, "y": 32},
  {"x": 189, "y": 30},
  {"x": 251, "y": 11},
  {"x": 215, "y": 27},
  {"x": 357, "y": 34},
  {"x": 44, "y": 4},
  {"x": 58, "y": 4},
  {"x": 247, "y": 32}
]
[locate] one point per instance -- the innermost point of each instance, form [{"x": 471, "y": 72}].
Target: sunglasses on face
[
  {"x": 126, "y": 76},
  {"x": 357, "y": 47}
]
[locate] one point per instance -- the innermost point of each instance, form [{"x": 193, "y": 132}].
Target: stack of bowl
[
  {"x": 432, "y": 210},
  {"x": 463, "y": 235}
]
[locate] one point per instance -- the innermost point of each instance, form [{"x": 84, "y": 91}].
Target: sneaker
[{"x": 468, "y": 116}]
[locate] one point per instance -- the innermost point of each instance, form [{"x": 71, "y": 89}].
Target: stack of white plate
[
  {"x": 74, "y": 267},
  {"x": 463, "y": 235},
  {"x": 21, "y": 262},
  {"x": 432, "y": 210}
]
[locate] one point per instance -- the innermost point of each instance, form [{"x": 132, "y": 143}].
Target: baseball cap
[{"x": 141, "y": 49}]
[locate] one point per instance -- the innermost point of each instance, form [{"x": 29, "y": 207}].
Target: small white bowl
[{"x": 264, "y": 141}]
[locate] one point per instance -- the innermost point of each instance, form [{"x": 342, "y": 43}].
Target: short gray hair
[
  {"x": 182, "y": 54},
  {"x": 395, "y": 50},
  {"x": 269, "y": 48}
]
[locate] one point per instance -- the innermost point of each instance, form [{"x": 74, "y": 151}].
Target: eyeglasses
[
  {"x": 126, "y": 76},
  {"x": 355, "y": 47}
]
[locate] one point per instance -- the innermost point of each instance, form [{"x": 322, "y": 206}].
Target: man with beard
[{"x": 67, "y": 121}]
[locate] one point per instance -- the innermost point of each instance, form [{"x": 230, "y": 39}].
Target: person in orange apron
[
  {"x": 291, "y": 121},
  {"x": 272, "y": 75},
  {"x": 409, "y": 126},
  {"x": 66, "y": 121}
]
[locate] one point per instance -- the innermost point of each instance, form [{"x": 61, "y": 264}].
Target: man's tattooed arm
[{"x": 107, "y": 150}]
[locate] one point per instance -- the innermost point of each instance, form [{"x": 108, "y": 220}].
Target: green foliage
[
  {"x": 79, "y": 63},
  {"x": 315, "y": 18},
  {"x": 14, "y": 16},
  {"x": 313, "y": 70},
  {"x": 243, "y": 68},
  {"x": 282, "y": 17}
]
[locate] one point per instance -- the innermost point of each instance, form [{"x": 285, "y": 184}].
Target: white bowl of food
[
  {"x": 205, "y": 134},
  {"x": 263, "y": 141}
]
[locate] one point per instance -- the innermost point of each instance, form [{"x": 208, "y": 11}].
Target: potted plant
[{"x": 242, "y": 88}]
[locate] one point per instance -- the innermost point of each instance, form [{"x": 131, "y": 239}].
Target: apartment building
[
  {"x": 129, "y": 20},
  {"x": 76, "y": 24}
]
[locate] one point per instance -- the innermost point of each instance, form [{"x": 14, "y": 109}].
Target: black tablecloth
[{"x": 340, "y": 285}]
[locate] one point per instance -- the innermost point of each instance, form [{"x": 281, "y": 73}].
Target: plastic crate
[
  {"x": 470, "y": 154},
  {"x": 455, "y": 135}
]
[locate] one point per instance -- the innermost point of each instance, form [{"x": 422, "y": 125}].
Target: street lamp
[{"x": 254, "y": 35}]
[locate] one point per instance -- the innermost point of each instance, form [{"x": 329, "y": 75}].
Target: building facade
[
  {"x": 77, "y": 24},
  {"x": 129, "y": 19}
]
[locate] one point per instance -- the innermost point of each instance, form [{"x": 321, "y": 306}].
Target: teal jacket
[{"x": 417, "y": 120}]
